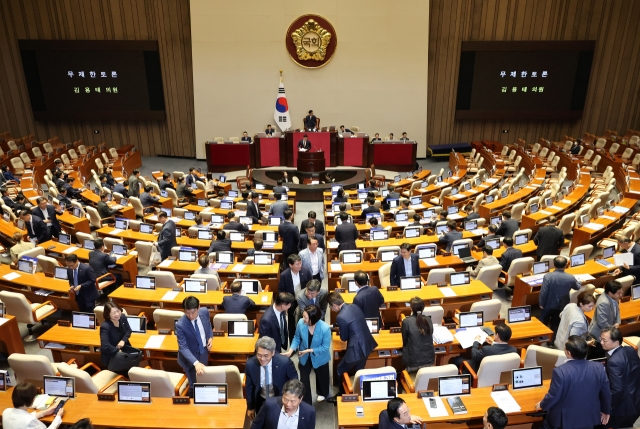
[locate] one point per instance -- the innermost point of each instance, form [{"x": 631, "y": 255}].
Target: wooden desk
[
  {"x": 406, "y": 183},
  {"x": 492, "y": 209},
  {"x": 74, "y": 224},
  {"x": 583, "y": 235},
  {"x": 127, "y": 212},
  {"x": 28, "y": 284},
  {"x": 10, "y": 338}
]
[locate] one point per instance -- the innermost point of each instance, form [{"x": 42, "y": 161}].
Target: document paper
[
  {"x": 154, "y": 342},
  {"x": 439, "y": 411},
  {"x": 618, "y": 258},
  {"x": 505, "y": 401}
]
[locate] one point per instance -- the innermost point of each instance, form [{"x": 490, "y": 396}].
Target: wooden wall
[
  {"x": 613, "y": 100},
  {"x": 167, "y": 21}
]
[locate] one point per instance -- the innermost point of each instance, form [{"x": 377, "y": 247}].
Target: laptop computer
[
  {"x": 388, "y": 255},
  {"x": 470, "y": 319},
  {"x": 635, "y": 292},
  {"x": 577, "y": 260},
  {"x": 263, "y": 259},
  {"x": 137, "y": 324},
  {"x": 540, "y": 267},
  {"x": 240, "y": 328},
  {"x": 210, "y": 393},
  {"x": 379, "y": 390},
  {"x": 519, "y": 314},
  {"x": 413, "y": 282},
  {"x": 64, "y": 387},
  {"x": 526, "y": 378},
  {"x": 224, "y": 257},
  {"x": 145, "y": 282},
  {"x": 464, "y": 253},
  {"x": 607, "y": 252},
  {"x": 60, "y": 273},
  {"x": 459, "y": 279},
  {"x": 426, "y": 252},
  {"x": 195, "y": 285},
  {"x": 521, "y": 239},
  {"x": 454, "y": 385},
  {"x": 494, "y": 243},
  {"x": 83, "y": 320},
  {"x": 372, "y": 323},
  {"x": 134, "y": 392}
]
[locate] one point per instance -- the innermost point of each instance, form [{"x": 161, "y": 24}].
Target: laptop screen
[
  {"x": 402, "y": 217},
  {"x": 412, "y": 232},
  {"x": 217, "y": 219},
  {"x": 388, "y": 255},
  {"x": 541, "y": 267},
  {"x": 226, "y": 205},
  {"x": 458, "y": 279},
  {"x": 202, "y": 203},
  {"x": 224, "y": 257},
  {"x": 494, "y": 243},
  {"x": 416, "y": 201},
  {"x": 392, "y": 202},
  {"x": 204, "y": 234},
  {"x": 521, "y": 239},
  {"x": 495, "y": 220},
  {"x": 413, "y": 282},
  {"x": 137, "y": 324},
  {"x": 608, "y": 252},
  {"x": 534, "y": 208},
  {"x": 454, "y": 190},
  {"x": 353, "y": 287},
  {"x": 209, "y": 394},
  {"x": 452, "y": 209},
  {"x": 260, "y": 186},
  {"x": 25, "y": 266},
  {"x": 635, "y": 292},
  {"x": 233, "y": 194},
  {"x": 119, "y": 249},
  {"x": 519, "y": 314},
  {"x": 195, "y": 285},
  {"x": 490, "y": 199},
  {"x": 457, "y": 247},
  {"x": 145, "y": 282},
  {"x": 164, "y": 193},
  {"x": 379, "y": 234},
  {"x": 526, "y": 378},
  {"x": 351, "y": 258},
  {"x": 189, "y": 215},
  {"x": 83, "y": 320},
  {"x": 250, "y": 287},
  {"x": 372, "y": 323},
  {"x": 89, "y": 244},
  {"x": 236, "y": 236},
  {"x": 426, "y": 252},
  {"x": 440, "y": 229},
  {"x": 577, "y": 260},
  {"x": 470, "y": 319},
  {"x": 263, "y": 259},
  {"x": 246, "y": 220},
  {"x": 378, "y": 390},
  {"x": 187, "y": 255},
  {"x": 454, "y": 385},
  {"x": 275, "y": 220},
  {"x": 270, "y": 236},
  {"x": 64, "y": 239},
  {"x": 134, "y": 392},
  {"x": 122, "y": 223},
  {"x": 167, "y": 211},
  {"x": 145, "y": 228},
  {"x": 59, "y": 386},
  {"x": 470, "y": 225},
  {"x": 60, "y": 273},
  {"x": 504, "y": 193},
  {"x": 240, "y": 328}
]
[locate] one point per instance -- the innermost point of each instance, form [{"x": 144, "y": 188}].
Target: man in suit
[
  {"x": 407, "y": 264},
  {"x": 368, "y": 298},
  {"x": 183, "y": 191},
  {"x": 36, "y": 228},
  {"x": 311, "y": 232},
  {"x": 195, "y": 337},
  {"x": 73, "y": 192},
  {"x": 120, "y": 189},
  {"x": 82, "y": 281},
  {"x": 287, "y": 411},
  {"x": 498, "y": 345},
  {"x": 253, "y": 208},
  {"x": 376, "y": 138},
  {"x": 370, "y": 208},
  {"x": 313, "y": 294},
  {"x": 579, "y": 395},
  {"x": 104, "y": 211},
  {"x": 192, "y": 177},
  {"x": 626, "y": 245},
  {"x": 310, "y": 121},
  {"x": 471, "y": 215},
  {"x": 268, "y": 131},
  {"x": 289, "y": 235},
  {"x": 304, "y": 145},
  {"x": 494, "y": 418},
  {"x": 507, "y": 257},
  {"x": 397, "y": 416},
  {"x": 279, "y": 187},
  {"x": 393, "y": 194},
  {"x": 623, "y": 371},
  {"x": 62, "y": 198},
  {"x": 134, "y": 183},
  {"x": 273, "y": 323},
  {"x": 233, "y": 224},
  {"x": 311, "y": 219},
  {"x": 344, "y": 130},
  {"x": 167, "y": 236},
  {"x": 606, "y": 314},
  {"x": 49, "y": 215},
  {"x": 550, "y": 239},
  {"x": 165, "y": 182},
  {"x": 292, "y": 280},
  {"x": 237, "y": 303},
  {"x": 554, "y": 293},
  {"x": 508, "y": 225},
  {"x": 221, "y": 244},
  {"x": 312, "y": 257},
  {"x": 6, "y": 199},
  {"x": 450, "y": 236},
  {"x": 101, "y": 261},
  {"x": 487, "y": 260},
  {"x": 278, "y": 207},
  {"x": 148, "y": 200},
  {"x": 404, "y": 137},
  {"x": 266, "y": 374},
  {"x": 346, "y": 234},
  {"x": 355, "y": 332}
]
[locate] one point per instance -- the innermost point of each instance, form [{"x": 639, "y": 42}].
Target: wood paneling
[
  {"x": 613, "y": 100},
  {"x": 167, "y": 21}
]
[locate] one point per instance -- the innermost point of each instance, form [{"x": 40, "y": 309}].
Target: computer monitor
[
  {"x": 516, "y": 188},
  {"x": 385, "y": 193},
  {"x": 352, "y": 286},
  {"x": 438, "y": 179},
  {"x": 122, "y": 223},
  {"x": 270, "y": 236},
  {"x": 263, "y": 259},
  {"x": 240, "y": 328},
  {"x": 83, "y": 320},
  {"x": 26, "y": 266},
  {"x": 372, "y": 323},
  {"x": 188, "y": 215},
  {"x": 223, "y": 178},
  {"x": 77, "y": 212},
  {"x": 548, "y": 202},
  {"x": 541, "y": 267},
  {"x": 397, "y": 178},
  {"x": 224, "y": 257},
  {"x": 187, "y": 255},
  {"x": 467, "y": 186},
  {"x": 427, "y": 214},
  {"x": 526, "y": 378},
  {"x": 393, "y": 202},
  {"x": 135, "y": 392},
  {"x": 246, "y": 220},
  {"x": 585, "y": 219},
  {"x": 236, "y": 236},
  {"x": 64, "y": 239},
  {"x": 204, "y": 234},
  {"x": 470, "y": 319},
  {"x": 379, "y": 234},
  {"x": 441, "y": 229},
  {"x": 210, "y": 394},
  {"x": 416, "y": 201},
  {"x": 351, "y": 258},
  {"x": 635, "y": 292},
  {"x": 490, "y": 199},
  {"x": 388, "y": 255},
  {"x": 60, "y": 273},
  {"x": 233, "y": 194},
  {"x": 494, "y": 243},
  {"x": 217, "y": 219},
  {"x": 577, "y": 260},
  {"x": 378, "y": 390},
  {"x": 534, "y": 208},
  {"x": 275, "y": 220},
  {"x": 164, "y": 193},
  {"x": 119, "y": 249},
  {"x": 470, "y": 225},
  {"x": 145, "y": 282},
  {"x": 461, "y": 278},
  {"x": 249, "y": 287},
  {"x": 519, "y": 314},
  {"x": 608, "y": 252},
  {"x": 402, "y": 217},
  {"x": 495, "y": 220},
  {"x": 202, "y": 202},
  {"x": 260, "y": 186},
  {"x": 504, "y": 193},
  {"x": 521, "y": 239},
  {"x": 89, "y": 244},
  {"x": 412, "y": 232},
  {"x": 454, "y": 385},
  {"x": 137, "y": 324},
  {"x": 376, "y": 215},
  {"x": 454, "y": 190},
  {"x": 178, "y": 232},
  {"x": 195, "y": 285},
  {"x": 146, "y": 228},
  {"x": 426, "y": 252},
  {"x": 456, "y": 248},
  {"x": 413, "y": 282},
  {"x": 169, "y": 212},
  {"x": 64, "y": 387},
  {"x": 226, "y": 205},
  {"x": 124, "y": 202},
  {"x": 452, "y": 210}
]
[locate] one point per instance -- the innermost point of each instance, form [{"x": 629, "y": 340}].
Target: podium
[{"x": 311, "y": 162}]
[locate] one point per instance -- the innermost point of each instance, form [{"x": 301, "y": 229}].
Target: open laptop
[
  {"x": 64, "y": 239},
  {"x": 263, "y": 259},
  {"x": 26, "y": 266},
  {"x": 413, "y": 282},
  {"x": 134, "y": 392},
  {"x": 146, "y": 228},
  {"x": 204, "y": 234},
  {"x": 534, "y": 208},
  {"x": 520, "y": 239},
  {"x": 275, "y": 220},
  {"x": 464, "y": 253},
  {"x": 459, "y": 279},
  {"x": 470, "y": 319},
  {"x": 145, "y": 282},
  {"x": 240, "y": 328},
  {"x": 577, "y": 260},
  {"x": 236, "y": 236},
  {"x": 270, "y": 236},
  {"x": 195, "y": 285},
  {"x": 351, "y": 258},
  {"x": 122, "y": 223},
  {"x": 441, "y": 229},
  {"x": 379, "y": 390},
  {"x": 635, "y": 292},
  {"x": 526, "y": 378},
  {"x": 494, "y": 243},
  {"x": 83, "y": 320},
  {"x": 607, "y": 252},
  {"x": 59, "y": 386},
  {"x": 490, "y": 199},
  {"x": 119, "y": 249},
  {"x": 412, "y": 232},
  {"x": 224, "y": 257},
  {"x": 540, "y": 267},
  {"x": 519, "y": 314},
  {"x": 402, "y": 217},
  {"x": 89, "y": 244},
  {"x": 426, "y": 252},
  {"x": 249, "y": 287},
  {"x": 471, "y": 225},
  {"x": 210, "y": 394},
  {"x": 137, "y": 324},
  {"x": 388, "y": 255},
  {"x": 60, "y": 273},
  {"x": 187, "y": 255},
  {"x": 454, "y": 385},
  {"x": 226, "y": 205}
]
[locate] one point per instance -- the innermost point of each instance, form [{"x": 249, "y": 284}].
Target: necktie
[
  {"x": 200, "y": 345},
  {"x": 283, "y": 329},
  {"x": 267, "y": 381},
  {"x": 75, "y": 277},
  {"x": 313, "y": 301}
]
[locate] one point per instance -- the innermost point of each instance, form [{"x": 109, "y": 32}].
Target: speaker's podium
[{"x": 311, "y": 163}]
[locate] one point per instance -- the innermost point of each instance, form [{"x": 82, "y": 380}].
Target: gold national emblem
[{"x": 311, "y": 41}]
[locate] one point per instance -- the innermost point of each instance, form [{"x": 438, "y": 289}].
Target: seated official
[
  {"x": 101, "y": 262},
  {"x": 269, "y": 130},
  {"x": 508, "y": 225},
  {"x": 499, "y": 345},
  {"x": 487, "y": 260},
  {"x": 6, "y": 199},
  {"x": 221, "y": 244},
  {"x": 450, "y": 236},
  {"x": 233, "y": 224},
  {"x": 310, "y": 121},
  {"x": 376, "y": 138},
  {"x": 406, "y": 264},
  {"x": 8, "y": 175},
  {"x": 371, "y": 208},
  {"x": 492, "y": 234},
  {"x": 21, "y": 203},
  {"x": 258, "y": 243},
  {"x": 148, "y": 200},
  {"x": 237, "y": 303},
  {"x": 119, "y": 189},
  {"x": 210, "y": 186},
  {"x": 471, "y": 215},
  {"x": 36, "y": 229},
  {"x": 397, "y": 416},
  {"x": 287, "y": 411},
  {"x": 114, "y": 335},
  {"x": 279, "y": 187},
  {"x": 340, "y": 197},
  {"x": 199, "y": 225},
  {"x": 21, "y": 245},
  {"x": 253, "y": 209},
  {"x": 245, "y": 197},
  {"x": 417, "y": 338},
  {"x": 573, "y": 320},
  {"x": 165, "y": 182},
  {"x": 416, "y": 220},
  {"x": 183, "y": 191},
  {"x": 18, "y": 417},
  {"x": 203, "y": 260},
  {"x": 391, "y": 138},
  {"x": 192, "y": 177},
  {"x": 245, "y": 137},
  {"x": 374, "y": 225},
  {"x": 73, "y": 192},
  {"x": 495, "y": 418},
  {"x": 344, "y": 130},
  {"x": 404, "y": 137},
  {"x": 103, "y": 208},
  {"x": 575, "y": 147},
  {"x": 104, "y": 182},
  {"x": 441, "y": 217},
  {"x": 62, "y": 198}
]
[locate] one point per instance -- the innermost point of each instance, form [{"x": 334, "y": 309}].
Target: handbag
[{"x": 126, "y": 358}]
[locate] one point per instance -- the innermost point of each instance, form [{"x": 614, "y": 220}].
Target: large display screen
[
  {"x": 523, "y": 80},
  {"x": 93, "y": 80}
]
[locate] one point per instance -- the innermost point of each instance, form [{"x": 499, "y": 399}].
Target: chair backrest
[
  {"x": 137, "y": 206},
  {"x": 110, "y": 241},
  {"x": 535, "y": 148},
  {"x": 82, "y": 236},
  {"x": 72, "y": 153},
  {"x": 17, "y": 305},
  {"x": 439, "y": 275},
  {"x": 573, "y": 294},
  {"x": 518, "y": 266},
  {"x": 427, "y": 378},
  {"x": 566, "y": 223},
  {"x": 493, "y": 369},
  {"x": 47, "y": 147},
  {"x": 436, "y": 312},
  {"x": 341, "y": 254},
  {"x": 165, "y": 319},
  {"x": 213, "y": 282},
  {"x": 47, "y": 263},
  {"x": 468, "y": 241},
  {"x": 94, "y": 217},
  {"x": 545, "y": 357},
  {"x": 505, "y": 150},
  {"x": 600, "y": 143},
  {"x": 33, "y": 253},
  {"x": 362, "y": 372},
  {"x": 228, "y": 374},
  {"x": 84, "y": 383},
  {"x": 113, "y": 153},
  {"x": 31, "y": 368},
  {"x": 36, "y": 152},
  {"x": 174, "y": 197},
  {"x": 585, "y": 249},
  {"x": 490, "y": 309},
  {"x": 17, "y": 164},
  {"x": 387, "y": 249},
  {"x": 161, "y": 385},
  {"x": 544, "y": 152},
  {"x": 25, "y": 158},
  {"x": 384, "y": 274},
  {"x": 82, "y": 149},
  {"x": 220, "y": 320},
  {"x": 164, "y": 279},
  {"x": 489, "y": 276}
]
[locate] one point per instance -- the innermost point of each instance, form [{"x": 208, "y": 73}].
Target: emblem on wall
[{"x": 311, "y": 41}]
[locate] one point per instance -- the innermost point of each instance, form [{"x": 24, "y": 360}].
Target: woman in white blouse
[
  {"x": 19, "y": 418},
  {"x": 573, "y": 321}
]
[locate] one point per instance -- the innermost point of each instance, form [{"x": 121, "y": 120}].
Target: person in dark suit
[
  {"x": 340, "y": 197},
  {"x": 355, "y": 332},
  {"x": 346, "y": 234},
  {"x": 266, "y": 374},
  {"x": 237, "y": 303},
  {"x": 623, "y": 371},
  {"x": 62, "y": 198},
  {"x": 165, "y": 182},
  {"x": 554, "y": 293},
  {"x": 404, "y": 137},
  {"x": 36, "y": 228},
  {"x": 100, "y": 262},
  {"x": 134, "y": 183},
  {"x": 278, "y": 207},
  {"x": 397, "y": 416},
  {"x": 550, "y": 239},
  {"x": 344, "y": 130},
  {"x": 167, "y": 236},
  {"x": 368, "y": 298},
  {"x": 49, "y": 215},
  {"x": 499, "y": 345},
  {"x": 184, "y": 191},
  {"x": 82, "y": 281},
  {"x": 304, "y": 145},
  {"x": 393, "y": 193},
  {"x": 104, "y": 211},
  {"x": 579, "y": 395},
  {"x": 310, "y": 121},
  {"x": 279, "y": 188},
  {"x": 507, "y": 258},
  {"x": 269, "y": 130},
  {"x": 120, "y": 189},
  {"x": 286, "y": 406},
  {"x": 626, "y": 245},
  {"x": 311, "y": 232},
  {"x": 148, "y": 200},
  {"x": 273, "y": 323},
  {"x": 471, "y": 215},
  {"x": 6, "y": 199},
  {"x": 311, "y": 219},
  {"x": 312, "y": 294},
  {"x": 289, "y": 235},
  {"x": 452, "y": 235},
  {"x": 606, "y": 314},
  {"x": 114, "y": 334},
  {"x": 575, "y": 148},
  {"x": 401, "y": 264},
  {"x": 508, "y": 225},
  {"x": 292, "y": 280},
  {"x": 371, "y": 208},
  {"x": 221, "y": 244},
  {"x": 376, "y": 138},
  {"x": 253, "y": 209},
  {"x": 233, "y": 224},
  {"x": 195, "y": 338}
]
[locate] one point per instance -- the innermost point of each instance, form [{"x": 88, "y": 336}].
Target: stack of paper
[
  {"x": 454, "y": 216},
  {"x": 447, "y": 291},
  {"x": 70, "y": 250},
  {"x": 582, "y": 278},
  {"x": 467, "y": 336},
  {"x": 441, "y": 334},
  {"x": 620, "y": 209},
  {"x": 594, "y": 226},
  {"x": 11, "y": 276},
  {"x": 165, "y": 263},
  {"x": 238, "y": 268},
  {"x": 623, "y": 258},
  {"x": 170, "y": 296},
  {"x": 117, "y": 231},
  {"x": 402, "y": 224},
  {"x": 154, "y": 342},
  {"x": 505, "y": 401},
  {"x": 431, "y": 262}
]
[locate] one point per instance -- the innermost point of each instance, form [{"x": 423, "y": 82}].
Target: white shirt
[
  {"x": 201, "y": 331},
  {"x": 288, "y": 422},
  {"x": 611, "y": 351},
  {"x": 313, "y": 256},
  {"x": 296, "y": 280},
  {"x": 263, "y": 392},
  {"x": 16, "y": 418},
  {"x": 278, "y": 314}
]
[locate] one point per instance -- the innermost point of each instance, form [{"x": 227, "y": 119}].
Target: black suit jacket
[
  {"x": 167, "y": 238},
  {"x": 269, "y": 415},
  {"x": 290, "y": 237},
  {"x": 508, "y": 256},
  {"x": 346, "y": 235},
  {"x": 549, "y": 239},
  {"x": 40, "y": 229},
  {"x": 384, "y": 422},
  {"x": 355, "y": 332},
  {"x": 236, "y": 226},
  {"x": 302, "y": 244},
  {"x": 100, "y": 262},
  {"x": 369, "y": 299},
  {"x": 482, "y": 243},
  {"x": 110, "y": 337},
  {"x": 472, "y": 216},
  {"x": 370, "y": 209},
  {"x": 164, "y": 184},
  {"x": 237, "y": 304},
  {"x": 319, "y": 227},
  {"x": 220, "y": 246},
  {"x": 253, "y": 211},
  {"x": 507, "y": 228},
  {"x": 623, "y": 370},
  {"x": 87, "y": 280},
  {"x": 397, "y": 268},
  {"x": 270, "y": 327},
  {"x": 53, "y": 216},
  {"x": 304, "y": 145},
  {"x": 448, "y": 238},
  {"x": 286, "y": 282},
  {"x": 477, "y": 353},
  {"x": 282, "y": 370}
]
